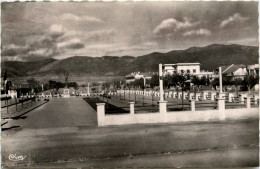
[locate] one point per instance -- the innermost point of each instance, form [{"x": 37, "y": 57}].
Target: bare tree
[{"x": 66, "y": 76}]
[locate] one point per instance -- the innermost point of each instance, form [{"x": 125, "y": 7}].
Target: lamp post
[
  {"x": 152, "y": 96},
  {"x": 248, "y": 80},
  {"x": 135, "y": 95},
  {"x": 124, "y": 92},
  {"x": 144, "y": 89},
  {"x": 129, "y": 91},
  {"x": 221, "y": 94},
  {"x": 161, "y": 82}
]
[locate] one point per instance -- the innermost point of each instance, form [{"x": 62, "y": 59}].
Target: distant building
[
  {"x": 253, "y": 69},
  {"x": 137, "y": 75},
  {"x": 235, "y": 71},
  {"x": 182, "y": 68},
  {"x": 207, "y": 74}
]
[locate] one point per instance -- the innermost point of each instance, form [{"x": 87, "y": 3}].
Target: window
[
  {"x": 182, "y": 71},
  {"x": 194, "y": 70},
  {"x": 188, "y": 71}
]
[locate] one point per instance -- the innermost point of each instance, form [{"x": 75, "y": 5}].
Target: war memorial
[{"x": 129, "y": 84}]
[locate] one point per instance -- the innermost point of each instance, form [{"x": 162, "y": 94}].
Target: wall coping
[
  {"x": 100, "y": 104},
  {"x": 162, "y": 101}
]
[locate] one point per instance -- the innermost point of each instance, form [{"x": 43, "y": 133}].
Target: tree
[
  {"x": 167, "y": 81},
  {"x": 116, "y": 84},
  {"x": 227, "y": 80},
  {"x": 95, "y": 84},
  {"x": 180, "y": 80},
  {"x": 199, "y": 81},
  {"x": 195, "y": 80},
  {"x": 138, "y": 83},
  {"x": 154, "y": 81},
  {"x": 106, "y": 86},
  {"x": 66, "y": 76},
  {"x": 33, "y": 84},
  {"x": 73, "y": 84},
  {"x": 215, "y": 82},
  {"x": 248, "y": 82}
]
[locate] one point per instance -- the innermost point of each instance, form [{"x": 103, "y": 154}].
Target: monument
[
  {"x": 66, "y": 93},
  {"x": 88, "y": 90},
  {"x": 66, "y": 90}
]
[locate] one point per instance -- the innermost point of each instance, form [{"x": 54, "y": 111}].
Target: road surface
[{"x": 63, "y": 133}]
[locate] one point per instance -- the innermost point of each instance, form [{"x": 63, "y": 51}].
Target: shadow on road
[
  {"x": 3, "y": 129},
  {"x": 20, "y": 117}
]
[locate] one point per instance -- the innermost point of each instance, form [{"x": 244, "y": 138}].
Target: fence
[{"x": 162, "y": 116}]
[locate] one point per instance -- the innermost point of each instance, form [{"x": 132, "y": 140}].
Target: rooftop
[{"x": 232, "y": 68}]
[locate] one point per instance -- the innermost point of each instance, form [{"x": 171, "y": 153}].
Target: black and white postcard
[{"x": 139, "y": 84}]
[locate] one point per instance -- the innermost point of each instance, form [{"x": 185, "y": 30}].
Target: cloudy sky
[{"x": 40, "y": 30}]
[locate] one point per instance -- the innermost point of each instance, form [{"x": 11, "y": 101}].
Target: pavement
[
  {"x": 64, "y": 133},
  {"x": 14, "y": 112}
]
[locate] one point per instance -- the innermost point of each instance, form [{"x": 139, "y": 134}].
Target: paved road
[
  {"x": 63, "y": 133},
  {"x": 59, "y": 112}
]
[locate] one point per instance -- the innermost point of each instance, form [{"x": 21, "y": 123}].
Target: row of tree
[
  {"x": 185, "y": 81},
  {"x": 182, "y": 81},
  {"x": 36, "y": 86}
]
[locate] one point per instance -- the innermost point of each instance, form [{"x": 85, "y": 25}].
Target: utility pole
[
  {"x": 144, "y": 90},
  {"x": 161, "y": 82},
  {"x": 221, "y": 94}
]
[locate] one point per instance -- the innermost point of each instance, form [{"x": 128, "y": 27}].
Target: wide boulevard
[{"x": 64, "y": 133}]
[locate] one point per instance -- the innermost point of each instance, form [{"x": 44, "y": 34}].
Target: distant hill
[{"x": 210, "y": 57}]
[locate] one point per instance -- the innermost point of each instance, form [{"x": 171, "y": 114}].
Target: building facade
[
  {"x": 253, "y": 69},
  {"x": 182, "y": 68},
  {"x": 235, "y": 71}
]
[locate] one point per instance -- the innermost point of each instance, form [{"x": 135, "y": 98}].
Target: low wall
[{"x": 176, "y": 117}]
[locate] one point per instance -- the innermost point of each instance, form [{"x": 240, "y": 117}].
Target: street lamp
[{"x": 144, "y": 89}]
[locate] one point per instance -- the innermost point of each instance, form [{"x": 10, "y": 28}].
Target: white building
[
  {"x": 235, "y": 71},
  {"x": 253, "y": 69},
  {"x": 207, "y": 74},
  {"x": 137, "y": 75},
  {"x": 182, "y": 68}
]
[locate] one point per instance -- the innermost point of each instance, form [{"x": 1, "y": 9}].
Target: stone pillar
[
  {"x": 132, "y": 108},
  {"x": 185, "y": 95},
  {"x": 192, "y": 105},
  {"x": 179, "y": 95},
  {"x": 191, "y": 96},
  {"x": 100, "y": 113},
  {"x": 213, "y": 96},
  {"x": 163, "y": 107},
  {"x": 170, "y": 94},
  {"x": 204, "y": 95},
  {"x": 174, "y": 94},
  {"x": 221, "y": 108},
  {"x": 221, "y": 95},
  {"x": 230, "y": 97},
  {"x": 241, "y": 97},
  {"x": 248, "y": 102},
  {"x": 198, "y": 96},
  {"x": 256, "y": 97}
]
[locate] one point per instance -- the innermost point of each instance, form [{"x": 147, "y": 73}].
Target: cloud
[
  {"x": 13, "y": 50},
  {"x": 233, "y": 19},
  {"x": 100, "y": 35},
  {"x": 198, "y": 32},
  {"x": 42, "y": 52},
  {"x": 170, "y": 25},
  {"x": 72, "y": 17},
  {"x": 71, "y": 44},
  {"x": 56, "y": 31}
]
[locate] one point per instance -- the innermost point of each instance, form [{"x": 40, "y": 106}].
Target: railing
[{"x": 19, "y": 104}]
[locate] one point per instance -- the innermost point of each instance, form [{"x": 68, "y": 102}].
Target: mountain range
[{"x": 210, "y": 57}]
